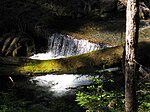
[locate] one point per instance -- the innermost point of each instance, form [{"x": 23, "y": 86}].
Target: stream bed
[{"x": 49, "y": 93}]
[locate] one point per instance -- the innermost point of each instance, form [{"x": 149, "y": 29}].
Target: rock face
[{"x": 61, "y": 45}]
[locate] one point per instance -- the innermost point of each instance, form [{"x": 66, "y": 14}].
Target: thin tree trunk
[{"x": 130, "y": 56}]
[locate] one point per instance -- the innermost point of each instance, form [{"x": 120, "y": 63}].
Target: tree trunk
[{"x": 131, "y": 55}]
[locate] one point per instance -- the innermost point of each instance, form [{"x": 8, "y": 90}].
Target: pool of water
[{"x": 49, "y": 93}]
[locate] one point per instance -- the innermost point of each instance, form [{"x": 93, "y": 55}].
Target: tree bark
[{"x": 131, "y": 55}]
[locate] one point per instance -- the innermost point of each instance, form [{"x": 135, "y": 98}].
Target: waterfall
[
  {"x": 64, "y": 45},
  {"x": 61, "y": 45}
]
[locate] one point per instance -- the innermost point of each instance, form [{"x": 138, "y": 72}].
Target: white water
[
  {"x": 60, "y": 46},
  {"x": 45, "y": 56},
  {"x": 61, "y": 84},
  {"x": 65, "y": 84}
]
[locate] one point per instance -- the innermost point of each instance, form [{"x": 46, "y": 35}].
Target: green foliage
[
  {"x": 143, "y": 96},
  {"x": 9, "y": 103},
  {"x": 101, "y": 96},
  {"x": 95, "y": 98}
]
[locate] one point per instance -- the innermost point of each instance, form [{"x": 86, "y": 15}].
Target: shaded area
[
  {"x": 45, "y": 13},
  {"x": 143, "y": 53},
  {"x": 41, "y": 17},
  {"x": 28, "y": 97}
]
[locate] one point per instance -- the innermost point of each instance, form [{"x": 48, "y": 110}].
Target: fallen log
[
  {"x": 85, "y": 63},
  {"x": 76, "y": 64}
]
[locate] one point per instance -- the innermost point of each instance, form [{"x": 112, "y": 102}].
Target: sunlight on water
[
  {"x": 60, "y": 46},
  {"x": 45, "y": 56},
  {"x": 61, "y": 84}
]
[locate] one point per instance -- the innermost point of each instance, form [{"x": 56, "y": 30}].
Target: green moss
[{"x": 75, "y": 64}]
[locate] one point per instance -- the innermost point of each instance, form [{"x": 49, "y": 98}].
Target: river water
[{"x": 53, "y": 92}]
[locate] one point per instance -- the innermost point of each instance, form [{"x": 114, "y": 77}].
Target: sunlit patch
[
  {"x": 45, "y": 56},
  {"x": 61, "y": 84}
]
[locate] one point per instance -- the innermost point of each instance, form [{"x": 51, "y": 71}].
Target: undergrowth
[{"x": 105, "y": 96}]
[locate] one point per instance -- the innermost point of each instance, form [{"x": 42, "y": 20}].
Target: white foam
[{"x": 45, "y": 56}]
